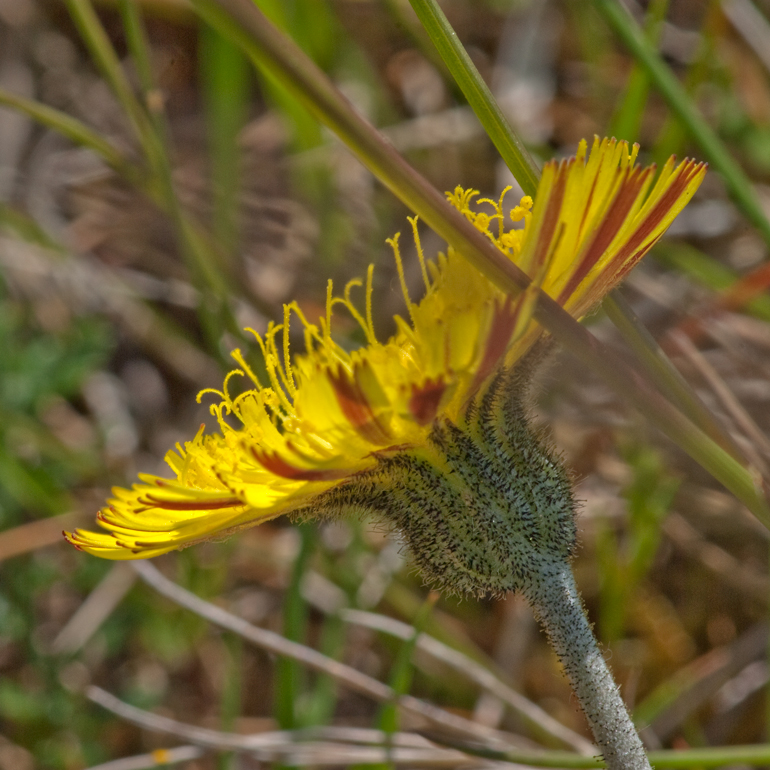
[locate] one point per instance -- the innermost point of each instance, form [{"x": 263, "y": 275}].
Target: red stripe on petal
[
  {"x": 635, "y": 248},
  {"x": 590, "y": 197},
  {"x": 667, "y": 201},
  {"x": 551, "y": 217},
  {"x": 274, "y": 463},
  {"x": 195, "y": 505},
  {"x": 620, "y": 270},
  {"x": 357, "y": 409},
  {"x": 611, "y": 223},
  {"x": 498, "y": 339},
  {"x": 425, "y": 400}
]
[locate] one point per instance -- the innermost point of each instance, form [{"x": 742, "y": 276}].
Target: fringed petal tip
[{"x": 109, "y": 547}]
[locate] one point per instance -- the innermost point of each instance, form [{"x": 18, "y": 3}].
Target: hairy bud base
[{"x": 484, "y": 508}]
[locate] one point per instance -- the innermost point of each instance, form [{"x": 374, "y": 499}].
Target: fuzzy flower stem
[{"x": 559, "y": 608}]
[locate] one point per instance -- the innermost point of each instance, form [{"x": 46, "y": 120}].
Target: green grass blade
[
  {"x": 224, "y": 73},
  {"x": 322, "y": 701},
  {"x": 73, "y": 129},
  {"x": 627, "y": 120},
  {"x": 738, "y": 184},
  {"x": 106, "y": 59},
  {"x": 290, "y": 673},
  {"x": 667, "y": 377},
  {"x": 206, "y": 267},
  {"x": 480, "y": 98},
  {"x": 720, "y": 756},
  {"x": 401, "y": 675},
  {"x": 402, "y": 670},
  {"x": 522, "y": 166}
]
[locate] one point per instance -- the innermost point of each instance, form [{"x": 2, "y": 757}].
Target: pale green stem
[{"x": 557, "y": 605}]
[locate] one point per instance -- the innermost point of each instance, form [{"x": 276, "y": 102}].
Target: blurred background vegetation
[{"x": 189, "y": 197}]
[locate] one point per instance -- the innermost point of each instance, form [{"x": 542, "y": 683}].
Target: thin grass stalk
[
  {"x": 667, "y": 377},
  {"x": 103, "y": 54},
  {"x": 269, "y": 48},
  {"x": 480, "y": 98},
  {"x": 402, "y": 672},
  {"x": 75, "y": 130},
  {"x": 673, "y": 759},
  {"x": 679, "y": 102},
  {"x": 205, "y": 267},
  {"x": 224, "y": 72},
  {"x": 289, "y": 676},
  {"x": 322, "y": 700},
  {"x": 627, "y": 119}
]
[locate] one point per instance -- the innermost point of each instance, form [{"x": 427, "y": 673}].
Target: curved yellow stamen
[
  {"x": 290, "y": 384},
  {"x": 216, "y": 411},
  {"x": 241, "y": 361},
  {"x": 353, "y": 310},
  {"x": 420, "y": 253},
  {"x": 393, "y": 242},
  {"x": 369, "y": 283},
  {"x": 279, "y": 367},
  {"x": 310, "y": 331},
  {"x": 228, "y": 401},
  {"x": 327, "y": 328},
  {"x": 203, "y": 392},
  {"x": 271, "y": 363}
]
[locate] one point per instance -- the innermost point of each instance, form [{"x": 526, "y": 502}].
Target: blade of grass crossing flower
[
  {"x": 480, "y": 98},
  {"x": 527, "y": 174},
  {"x": 679, "y": 102},
  {"x": 243, "y": 22},
  {"x": 667, "y": 376},
  {"x": 627, "y": 120}
]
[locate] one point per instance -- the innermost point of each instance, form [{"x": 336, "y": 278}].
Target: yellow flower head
[{"x": 327, "y": 418}]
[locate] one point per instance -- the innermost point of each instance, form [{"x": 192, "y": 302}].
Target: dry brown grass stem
[
  {"x": 314, "y": 746},
  {"x": 342, "y": 673}
]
